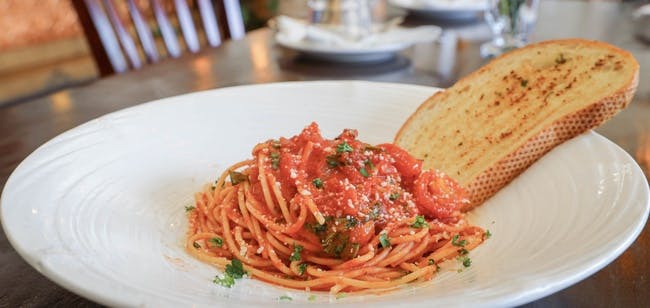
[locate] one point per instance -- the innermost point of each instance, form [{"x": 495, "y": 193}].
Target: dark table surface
[{"x": 256, "y": 59}]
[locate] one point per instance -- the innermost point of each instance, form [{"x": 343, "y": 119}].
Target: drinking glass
[
  {"x": 352, "y": 17},
  {"x": 511, "y": 21}
]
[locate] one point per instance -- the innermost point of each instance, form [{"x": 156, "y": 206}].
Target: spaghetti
[{"x": 332, "y": 215}]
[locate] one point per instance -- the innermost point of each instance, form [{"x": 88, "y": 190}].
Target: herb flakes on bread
[{"x": 493, "y": 124}]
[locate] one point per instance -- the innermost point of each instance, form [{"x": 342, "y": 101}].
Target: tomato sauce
[{"x": 355, "y": 184}]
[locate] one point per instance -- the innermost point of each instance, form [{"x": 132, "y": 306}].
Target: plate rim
[{"x": 102, "y": 298}]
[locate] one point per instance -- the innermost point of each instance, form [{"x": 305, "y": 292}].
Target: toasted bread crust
[{"x": 508, "y": 163}]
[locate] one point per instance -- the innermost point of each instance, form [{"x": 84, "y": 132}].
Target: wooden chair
[{"x": 116, "y": 49}]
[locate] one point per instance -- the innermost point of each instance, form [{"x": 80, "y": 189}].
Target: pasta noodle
[{"x": 331, "y": 215}]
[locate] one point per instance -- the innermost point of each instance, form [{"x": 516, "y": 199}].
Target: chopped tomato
[
  {"x": 438, "y": 195},
  {"x": 407, "y": 165}
]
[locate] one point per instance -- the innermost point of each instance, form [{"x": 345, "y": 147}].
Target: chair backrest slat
[
  {"x": 187, "y": 25},
  {"x": 111, "y": 27},
  {"x": 144, "y": 33},
  {"x": 125, "y": 39},
  {"x": 234, "y": 19},
  {"x": 210, "y": 25},
  {"x": 107, "y": 36},
  {"x": 166, "y": 29}
]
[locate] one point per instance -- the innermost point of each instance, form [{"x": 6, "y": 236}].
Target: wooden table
[{"x": 256, "y": 59}]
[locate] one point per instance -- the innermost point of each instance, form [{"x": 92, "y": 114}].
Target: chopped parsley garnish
[
  {"x": 275, "y": 144},
  {"x": 237, "y": 177},
  {"x": 419, "y": 222},
  {"x": 227, "y": 281},
  {"x": 432, "y": 262},
  {"x": 394, "y": 196},
  {"x": 455, "y": 242},
  {"x": 275, "y": 160},
  {"x": 463, "y": 251},
  {"x": 189, "y": 208},
  {"x": 341, "y": 295},
  {"x": 384, "y": 240},
  {"x": 234, "y": 270},
  {"x": 302, "y": 268},
  {"x": 196, "y": 245},
  {"x": 316, "y": 228},
  {"x": 295, "y": 255},
  {"x": 343, "y": 148},
  {"x": 332, "y": 161},
  {"x": 311, "y": 298},
  {"x": 317, "y": 182},
  {"x": 375, "y": 212},
  {"x": 488, "y": 234},
  {"x": 285, "y": 297},
  {"x": 524, "y": 82},
  {"x": 368, "y": 163},
  {"x": 467, "y": 262},
  {"x": 364, "y": 172},
  {"x": 351, "y": 222},
  {"x": 216, "y": 241}
]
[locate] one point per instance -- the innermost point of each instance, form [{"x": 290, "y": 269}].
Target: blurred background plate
[{"x": 443, "y": 9}]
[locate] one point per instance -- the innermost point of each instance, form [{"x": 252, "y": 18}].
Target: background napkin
[{"x": 298, "y": 30}]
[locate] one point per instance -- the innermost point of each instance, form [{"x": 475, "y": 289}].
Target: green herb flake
[
  {"x": 341, "y": 295},
  {"x": 351, "y": 222},
  {"x": 368, "y": 163},
  {"x": 311, "y": 298},
  {"x": 227, "y": 281},
  {"x": 285, "y": 297},
  {"x": 275, "y": 160},
  {"x": 375, "y": 212},
  {"x": 216, "y": 241},
  {"x": 196, "y": 245},
  {"x": 332, "y": 161},
  {"x": 343, "y": 148},
  {"x": 364, "y": 172},
  {"x": 189, "y": 208},
  {"x": 384, "y": 240},
  {"x": 316, "y": 228},
  {"x": 488, "y": 234},
  {"x": 455, "y": 242},
  {"x": 467, "y": 262},
  {"x": 431, "y": 262},
  {"x": 235, "y": 269},
  {"x": 275, "y": 144},
  {"x": 237, "y": 177},
  {"x": 524, "y": 83},
  {"x": 295, "y": 255},
  {"x": 302, "y": 268},
  {"x": 317, "y": 182},
  {"x": 394, "y": 196},
  {"x": 419, "y": 222},
  {"x": 463, "y": 251}
]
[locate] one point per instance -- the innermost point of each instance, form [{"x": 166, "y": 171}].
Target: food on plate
[
  {"x": 336, "y": 215},
  {"x": 493, "y": 124}
]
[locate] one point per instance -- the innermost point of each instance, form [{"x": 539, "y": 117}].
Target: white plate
[
  {"x": 445, "y": 9},
  {"x": 100, "y": 208},
  {"x": 334, "y": 53},
  {"x": 343, "y": 54}
]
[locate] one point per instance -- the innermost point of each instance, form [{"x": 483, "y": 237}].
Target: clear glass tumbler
[
  {"x": 352, "y": 16},
  {"x": 511, "y": 22}
]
